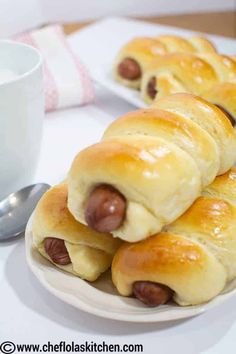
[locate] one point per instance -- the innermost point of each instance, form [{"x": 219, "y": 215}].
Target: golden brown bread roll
[
  {"x": 68, "y": 244},
  {"x": 224, "y": 187},
  {"x": 156, "y": 161},
  {"x": 184, "y": 72},
  {"x": 208, "y": 117},
  {"x": 224, "y": 96},
  {"x": 183, "y": 132},
  {"x": 149, "y": 172},
  {"x": 135, "y": 56},
  {"x": 194, "y": 257}
]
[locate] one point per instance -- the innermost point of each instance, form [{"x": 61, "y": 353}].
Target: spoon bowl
[{"x": 16, "y": 209}]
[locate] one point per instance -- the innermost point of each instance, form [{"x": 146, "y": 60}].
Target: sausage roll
[
  {"x": 135, "y": 56},
  {"x": 184, "y": 72},
  {"x": 192, "y": 260},
  {"x": 65, "y": 242},
  {"x": 150, "y": 167}
]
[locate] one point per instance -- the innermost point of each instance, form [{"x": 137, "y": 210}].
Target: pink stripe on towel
[
  {"x": 66, "y": 80},
  {"x": 88, "y": 92}
]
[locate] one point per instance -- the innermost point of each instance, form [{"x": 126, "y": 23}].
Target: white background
[{"x": 20, "y": 15}]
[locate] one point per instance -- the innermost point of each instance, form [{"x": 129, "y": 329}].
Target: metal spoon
[{"x": 16, "y": 209}]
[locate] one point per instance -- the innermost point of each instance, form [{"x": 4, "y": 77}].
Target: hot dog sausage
[
  {"x": 152, "y": 294},
  {"x": 151, "y": 88},
  {"x": 56, "y": 250},
  {"x": 129, "y": 69},
  {"x": 105, "y": 209}
]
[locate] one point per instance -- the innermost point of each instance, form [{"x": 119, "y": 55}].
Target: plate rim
[{"x": 187, "y": 312}]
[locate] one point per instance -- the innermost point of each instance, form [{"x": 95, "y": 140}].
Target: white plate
[
  {"x": 101, "y": 299},
  {"x": 105, "y": 79},
  {"x": 98, "y": 45}
]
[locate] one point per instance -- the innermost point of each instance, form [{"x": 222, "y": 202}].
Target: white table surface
[{"x": 29, "y": 314}]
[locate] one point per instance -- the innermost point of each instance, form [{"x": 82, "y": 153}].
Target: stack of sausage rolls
[
  {"x": 169, "y": 64},
  {"x": 155, "y": 200}
]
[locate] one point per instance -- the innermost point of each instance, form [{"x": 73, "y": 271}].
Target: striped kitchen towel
[{"x": 66, "y": 80}]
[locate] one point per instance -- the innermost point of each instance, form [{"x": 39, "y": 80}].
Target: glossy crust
[
  {"x": 209, "y": 118},
  {"x": 182, "y": 131},
  {"x": 159, "y": 160},
  {"x": 195, "y": 256},
  {"x": 210, "y": 222},
  {"x": 178, "y": 72},
  {"x": 184, "y": 72},
  {"x": 224, "y": 66},
  {"x": 224, "y": 95},
  {"x": 203, "y": 45},
  {"x": 187, "y": 45},
  {"x": 158, "y": 180},
  {"x": 186, "y": 267},
  {"x": 90, "y": 252},
  {"x": 145, "y": 49},
  {"x": 223, "y": 187}
]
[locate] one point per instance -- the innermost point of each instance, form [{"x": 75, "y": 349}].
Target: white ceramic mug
[{"x": 21, "y": 114}]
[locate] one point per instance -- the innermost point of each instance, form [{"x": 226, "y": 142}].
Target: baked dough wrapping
[
  {"x": 207, "y": 116},
  {"x": 185, "y": 72},
  {"x": 224, "y": 96},
  {"x": 90, "y": 252},
  {"x": 159, "y": 160},
  {"x": 195, "y": 256},
  {"x": 143, "y": 50}
]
